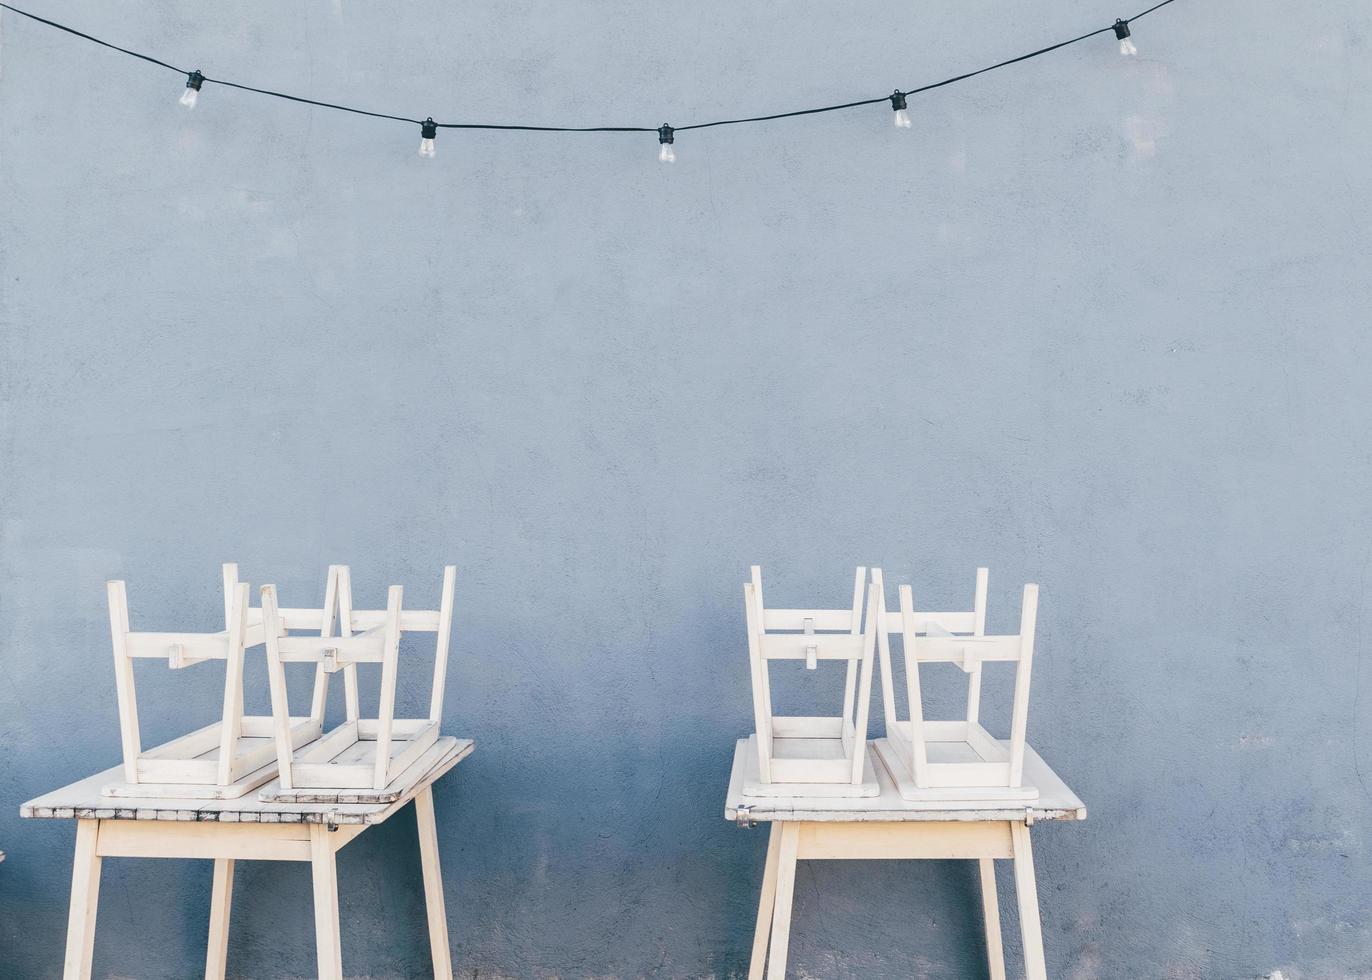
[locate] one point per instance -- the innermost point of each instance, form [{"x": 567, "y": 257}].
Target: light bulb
[
  {"x": 428, "y": 129},
  {"x": 665, "y": 153},
  {"x": 1122, "y": 34},
  {"x": 191, "y": 95},
  {"x": 902, "y": 118}
]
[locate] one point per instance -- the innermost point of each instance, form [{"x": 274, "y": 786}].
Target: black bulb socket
[
  {"x": 195, "y": 80},
  {"x": 664, "y": 134},
  {"x": 428, "y": 129},
  {"x": 897, "y": 100},
  {"x": 1121, "y": 29}
]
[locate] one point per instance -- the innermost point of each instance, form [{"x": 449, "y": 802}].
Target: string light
[
  {"x": 1122, "y": 33},
  {"x": 665, "y": 134},
  {"x": 898, "y": 104},
  {"x": 192, "y": 93}
]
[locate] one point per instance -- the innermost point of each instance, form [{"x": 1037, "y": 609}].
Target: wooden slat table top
[
  {"x": 1056, "y": 801},
  {"x": 83, "y": 800}
]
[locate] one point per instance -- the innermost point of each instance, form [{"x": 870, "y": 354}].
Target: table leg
[
  {"x": 781, "y": 912},
  {"x": 85, "y": 897},
  {"x": 328, "y": 946},
  {"x": 1027, "y": 896},
  {"x": 433, "y": 884},
  {"x": 221, "y": 904},
  {"x": 990, "y": 908},
  {"x": 763, "y": 930}
]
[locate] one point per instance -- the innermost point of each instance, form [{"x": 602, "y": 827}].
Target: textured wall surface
[{"x": 1098, "y": 323}]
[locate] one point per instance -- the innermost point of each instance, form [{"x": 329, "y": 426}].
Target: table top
[
  {"x": 83, "y": 800},
  {"x": 1055, "y": 802}
]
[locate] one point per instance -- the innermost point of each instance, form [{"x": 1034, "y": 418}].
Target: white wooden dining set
[
  {"x": 280, "y": 788},
  {"x": 928, "y": 789},
  {"x": 268, "y": 788}
]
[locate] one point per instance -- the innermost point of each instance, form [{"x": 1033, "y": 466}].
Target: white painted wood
[
  {"x": 219, "y": 760},
  {"x": 990, "y": 910},
  {"x": 762, "y": 931},
  {"x": 319, "y": 696},
  {"x": 345, "y": 629},
  {"x": 221, "y": 906},
  {"x": 927, "y": 840},
  {"x": 85, "y": 898},
  {"x": 188, "y": 791},
  {"x": 982, "y": 840},
  {"x": 324, "y": 872},
  {"x": 762, "y": 712},
  {"x": 84, "y": 800},
  {"x": 927, "y": 757},
  {"x": 276, "y": 682},
  {"x": 444, "y": 627},
  {"x": 893, "y": 828},
  {"x": 1055, "y": 800},
  {"x": 433, "y": 885},
  {"x": 1027, "y": 897},
  {"x": 248, "y": 841},
  {"x": 1019, "y": 721},
  {"x": 787, "y": 851},
  {"x": 978, "y": 629},
  {"x": 850, "y": 670},
  {"x": 389, "y": 668},
  {"x": 231, "y": 718},
  {"x": 362, "y": 753},
  {"x": 123, "y": 678},
  {"x": 781, "y": 788},
  {"x": 228, "y": 830},
  {"x": 827, "y": 751}
]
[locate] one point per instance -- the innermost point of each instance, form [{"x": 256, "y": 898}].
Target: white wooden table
[
  {"x": 243, "y": 829},
  {"x": 887, "y": 827}
]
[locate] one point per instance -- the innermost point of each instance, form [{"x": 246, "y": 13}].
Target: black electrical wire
[{"x": 578, "y": 129}]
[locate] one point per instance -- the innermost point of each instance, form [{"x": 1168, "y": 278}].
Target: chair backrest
[
  {"x": 376, "y": 640},
  {"x": 925, "y": 640},
  {"x": 811, "y": 635}
]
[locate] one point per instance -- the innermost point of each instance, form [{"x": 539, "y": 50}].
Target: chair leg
[
  {"x": 763, "y": 930},
  {"x": 328, "y": 945},
  {"x": 990, "y": 908},
  {"x": 221, "y": 904},
  {"x": 1027, "y": 896},
  {"x": 85, "y": 898},
  {"x": 781, "y": 912},
  {"x": 433, "y": 884}
]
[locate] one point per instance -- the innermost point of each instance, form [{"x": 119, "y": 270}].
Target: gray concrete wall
[{"x": 1098, "y": 323}]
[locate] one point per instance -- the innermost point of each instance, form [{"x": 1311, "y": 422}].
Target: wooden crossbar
[
  {"x": 365, "y": 647},
  {"x": 411, "y": 620},
  {"x": 819, "y": 646},
  {"x": 831, "y": 620}
]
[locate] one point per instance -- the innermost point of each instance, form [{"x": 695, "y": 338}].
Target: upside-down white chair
[
  {"x": 231, "y": 756},
  {"x": 361, "y": 753},
  {"x": 811, "y": 756},
  {"x": 953, "y": 760}
]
